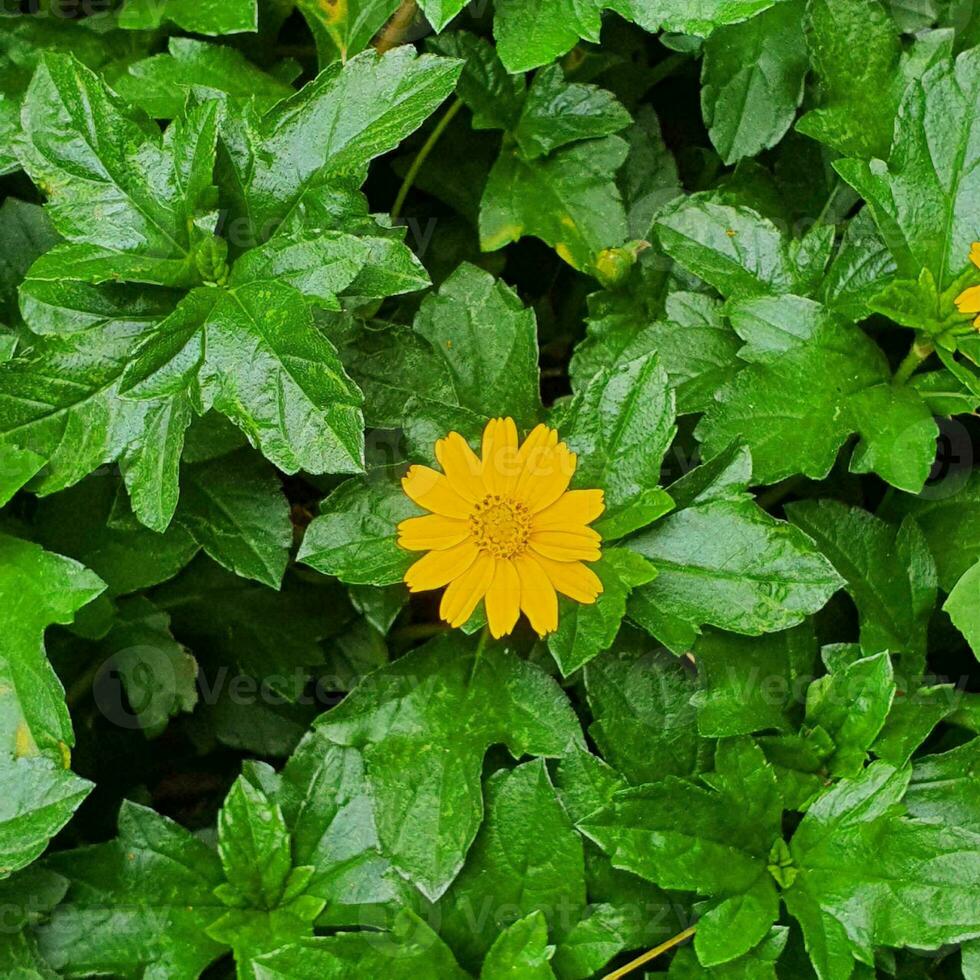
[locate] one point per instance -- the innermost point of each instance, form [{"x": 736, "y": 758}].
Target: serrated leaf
[
  {"x": 722, "y": 561},
  {"x": 889, "y": 572},
  {"x": 861, "y": 862},
  {"x": 925, "y": 177},
  {"x": 569, "y": 200},
  {"x": 943, "y": 787},
  {"x": 422, "y": 773},
  {"x": 713, "y": 836},
  {"x": 488, "y": 340},
  {"x": 648, "y": 179},
  {"x": 527, "y": 856},
  {"x": 160, "y": 84},
  {"x": 557, "y": 112},
  {"x": 813, "y": 379},
  {"x": 137, "y": 905},
  {"x": 520, "y": 950},
  {"x": 692, "y": 341},
  {"x": 354, "y": 535},
  {"x": 367, "y": 107},
  {"x": 234, "y": 508},
  {"x": 855, "y": 49},
  {"x": 643, "y": 722},
  {"x": 25, "y": 235},
  {"x": 621, "y": 425},
  {"x": 752, "y": 80},
  {"x": 39, "y": 797},
  {"x": 343, "y": 30},
  {"x": 750, "y": 684}
]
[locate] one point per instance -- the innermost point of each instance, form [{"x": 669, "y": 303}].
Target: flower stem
[
  {"x": 918, "y": 352},
  {"x": 421, "y": 157},
  {"x": 650, "y": 954}
]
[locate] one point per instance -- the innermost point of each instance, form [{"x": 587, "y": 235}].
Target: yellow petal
[
  {"x": 462, "y": 468},
  {"x": 433, "y": 491},
  {"x": 503, "y": 600},
  {"x": 571, "y": 578},
  {"x": 550, "y": 478},
  {"x": 500, "y": 465},
  {"x": 538, "y": 598},
  {"x": 574, "y": 508},
  {"x": 975, "y": 254},
  {"x": 432, "y": 532},
  {"x": 580, "y": 545},
  {"x": 434, "y": 570},
  {"x": 463, "y": 594},
  {"x": 969, "y": 300},
  {"x": 535, "y": 447}
]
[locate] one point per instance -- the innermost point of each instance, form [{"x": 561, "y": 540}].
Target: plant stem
[
  {"x": 421, "y": 157},
  {"x": 918, "y": 352},
  {"x": 666, "y": 68},
  {"x": 779, "y": 492},
  {"x": 650, "y": 954},
  {"x": 396, "y": 28}
]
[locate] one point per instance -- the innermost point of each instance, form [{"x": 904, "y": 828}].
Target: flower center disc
[{"x": 501, "y": 526}]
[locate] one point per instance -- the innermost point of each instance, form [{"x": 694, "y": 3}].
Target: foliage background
[{"x": 255, "y": 256}]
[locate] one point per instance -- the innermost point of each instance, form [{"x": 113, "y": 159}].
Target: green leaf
[
  {"x": 137, "y": 905},
  {"x": 851, "y": 704},
  {"x": 37, "y": 589},
  {"x": 521, "y": 950},
  {"x": 488, "y": 341},
  {"x": 272, "y": 638},
  {"x": 963, "y": 608},
  {"x": 39, "y": 798},
  {"x": 234, "y": 508},
  {"x": 365, "y": 108},
  {"x": 493, "y": 96},
  {"x": 750, "y": 684},
  {"x": 557, "y": 112},
  {"x": 409, "y": 951},
  {"x": 258, "y": 359},
  {"x": 569, "y": 200},
  {"x": 813, "y": 379},
  {"x": 158, "y": 674},
  {"x": 621, "y": 425},
  {"x": 28, "y": 896},
  {"x": 923, "y": 178},
  {"x": 758, "y": 964},
  {"x": 423, "y": 772},
  {"x": 93, "y": 524},
  {"x": 734, "y": 249},
  {"x": 61, "y": 401},
  {"x": 344, "y": 29},
  {"x": 199, "y": 16},
  {"x": 855, "y": 48},
  {"x": 943, "y": 787},
  {"x": 534, "y": 33},
  {"x": 722, "y": 561},
  {"x": 889, "y": 572},
  {"x": 527, "y": 856},
  {"x": 94, "y": 154},
  {"x": 643, "y": 722},
  {"x": 648, "y": 179},
  {"x": 861, "y": 862},
  {"x": 950, "y": 521},
  {"x": 752, "y": 80},
  {"x": 25, "y": 235},
  {"x": 712, "y": 836},
  {"x": 160, "y": 85},
  {"x": 585, "y": 631},
  {"x": 693, "y": 342},
  {"x": 354, "y": 536},
  {"x": 913, "y": 716}
]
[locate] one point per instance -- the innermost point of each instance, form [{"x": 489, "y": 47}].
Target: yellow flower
[
  {"x": 969, "y": 300},
  {"x": 504, "y": 528}
]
